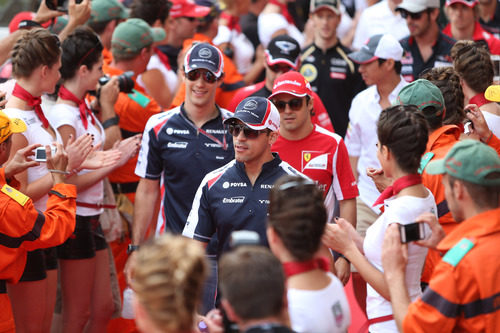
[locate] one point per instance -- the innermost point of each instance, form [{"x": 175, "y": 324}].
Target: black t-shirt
[{"x": 335, "y": 78}]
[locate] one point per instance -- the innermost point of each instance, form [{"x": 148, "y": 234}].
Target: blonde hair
[
  {"x": 168, "y": 281},
  {"x": 35, "y": 48}
]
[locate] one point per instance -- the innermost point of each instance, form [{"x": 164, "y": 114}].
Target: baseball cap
[
  {"x": 283, "y": 49},
  {"x": 187, "y": 8},
  {"x": 23, "y": 16},
  {"x": 9, "y": 126},
  {"x": 204, "y": 55},
  {"x": 333, "y": 5},
  {"x": 468, "y": 3},
  {"x": 258, "y": 113},
  {"x": 378, "y": 46},
  {"x": 133, "y": 35},
  {"x": 107, "y": 10},
  {"x": 468, "y": 160},
  {"x": 492, "y": 93},
  {"x": 422, "y": 93},
  {"x": 292, "y": 83},
  {"x": 416, "y": 6}
]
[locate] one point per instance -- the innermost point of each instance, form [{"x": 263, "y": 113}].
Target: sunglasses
[
  {"x": 235, "y": 130},
  {"x": 280, "y": 68},
  {"x": 295, "y": 104},
  {"x": 207, "y": 76},
  {"x": 413, "y": 16},
  {"x": 190, "y": 19}
]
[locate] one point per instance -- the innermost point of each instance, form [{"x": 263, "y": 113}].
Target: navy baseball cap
[
  {"x": 283, "y": 49},
  {"x": 258, "y": 113},
  {"x": 206, "y": 56}
]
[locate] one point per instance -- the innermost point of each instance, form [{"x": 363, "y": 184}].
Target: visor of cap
[{"x": 468, "y": 3}]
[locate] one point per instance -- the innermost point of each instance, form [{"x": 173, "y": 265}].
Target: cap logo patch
[
  {"x": 205, "y": 53},
  {"x": 285, "y": 47},
  {"x": 114, "y": 11},
  {"x": 250, "y": 105}
]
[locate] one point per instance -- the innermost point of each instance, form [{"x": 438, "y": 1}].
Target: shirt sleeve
[
  {"x": 149, "y": 162},
  {"x": 353, "y": 135},
  {"x": 200, "y": 225},
  {"x": 59, "y": 116},
  {"x": 343, "y": 179}
]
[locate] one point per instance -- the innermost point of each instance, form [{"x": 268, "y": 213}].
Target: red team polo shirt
[{"x": 322, "y": 156}]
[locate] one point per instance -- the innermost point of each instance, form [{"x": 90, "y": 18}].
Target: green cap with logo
[
  {"x": 131, "y": 36},
  {"x": 422, "y": 93},
  {"x": 469, "y": 160},
  {"x": 107, "y": 10}
]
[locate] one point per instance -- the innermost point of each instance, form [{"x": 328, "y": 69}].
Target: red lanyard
[
  {"x": 32, "y": 101},
  {"x": 479, "y": 100},
  {"x": 64, "y": 93},
  {"x": 296, "y": 267},
  {"x": 398, "y": 185},
  {"x": 213, "y": 138}
]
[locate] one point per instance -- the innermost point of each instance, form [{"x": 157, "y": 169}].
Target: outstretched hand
[{"x": 21, "y": 161}]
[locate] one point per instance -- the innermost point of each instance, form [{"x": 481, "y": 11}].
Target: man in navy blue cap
[{"x": 236, "y": 196}]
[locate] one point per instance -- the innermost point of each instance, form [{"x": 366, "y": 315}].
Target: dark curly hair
[
  {"x": 404, "y": 130},
  {"x": 448, "y": 81},
  {"x": 82, "y": 47},
  {"x": 473, "y": 64},
  {"x": 298, "y": 215},
  {"x": 150, "y": 10}
]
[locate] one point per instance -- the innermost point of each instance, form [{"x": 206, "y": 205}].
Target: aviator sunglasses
[
  {"x": 413, "y": 16},
  {"x": 295, "y": 104},
  {"x": 235, "y": 130},
  {"x": 207, "y": 76}
]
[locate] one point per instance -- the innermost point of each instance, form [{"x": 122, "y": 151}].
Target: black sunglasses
[
  {"x": 207, "y": 76},
  {"x": 295, "y": 104},
  {"x": 413, "y": 16},
  {"x": 235, "y": 130},
  {"x": 280, "y": 68},
  {"x": 190, "y": 19}
]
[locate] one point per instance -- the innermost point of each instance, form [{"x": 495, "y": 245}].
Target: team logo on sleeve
[{"x": 314, "y": 160}]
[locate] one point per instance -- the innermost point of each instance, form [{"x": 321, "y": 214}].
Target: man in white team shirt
[{"x": 380, "y": 66}]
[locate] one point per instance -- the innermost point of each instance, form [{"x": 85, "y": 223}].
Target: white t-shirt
[
  {"x": 242, "y": 46},
  {"x": 493, "y": 122},
  {"x": 361, "y": 137},
  {"x": 379, "y": 19},
  {"x": 404, "y": 210},
  {"x": 268, "y": 24},
  {"x": 35, "y": 133},
  {"x": 169, "y": 75},
  {"x": 319, "y": 311},
  {"x": 64, "y": 114}
]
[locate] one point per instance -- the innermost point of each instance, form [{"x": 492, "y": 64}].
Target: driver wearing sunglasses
[{"x": 236, "y": 196}]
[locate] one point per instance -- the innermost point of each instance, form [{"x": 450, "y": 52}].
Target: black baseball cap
[
  {"x": 283, "y": 49},
  {"x": 206, "y": 56}
]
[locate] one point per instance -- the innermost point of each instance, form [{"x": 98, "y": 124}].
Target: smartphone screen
[{"x": 411, "y": 232}]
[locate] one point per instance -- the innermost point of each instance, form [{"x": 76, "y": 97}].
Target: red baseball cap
[
  {"x": 292, "y": 83},
  {"x": 187, "y": 8},
  {"x": 468, "y": 3},
  {"x": 23, "y": 16}
]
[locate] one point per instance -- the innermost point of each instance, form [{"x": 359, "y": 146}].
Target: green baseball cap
[
  {"x": 469, "y": 160},
  {"x": 422, "y": 93},
  {"x": 134, "y": 34},
  {"x": 107, "y": 10}
]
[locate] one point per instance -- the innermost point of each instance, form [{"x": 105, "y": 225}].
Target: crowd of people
[{"x": 230, "y": 165}]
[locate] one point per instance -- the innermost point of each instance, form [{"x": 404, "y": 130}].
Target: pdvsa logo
[{"x": 228, "y": 185}]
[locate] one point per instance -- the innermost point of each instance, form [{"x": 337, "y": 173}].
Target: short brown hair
[
  {"x": 35, "y": 48},
  {"x": 472, "y": 62},
  {"x": 298, "y": 215},
  {"x": 252, "y": 280}
]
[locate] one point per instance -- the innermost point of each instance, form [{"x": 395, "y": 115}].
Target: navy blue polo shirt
[
  {"x": 177, "y": 152},
  {"x": 413, "y": 63},
  {"x": 226, "y": 201}
]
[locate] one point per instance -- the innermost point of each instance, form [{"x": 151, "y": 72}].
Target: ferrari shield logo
[{"x": 307, "y": 157}]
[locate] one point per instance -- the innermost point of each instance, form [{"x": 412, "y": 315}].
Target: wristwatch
[{"x": 131, "y": 248}]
